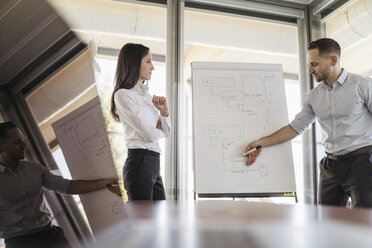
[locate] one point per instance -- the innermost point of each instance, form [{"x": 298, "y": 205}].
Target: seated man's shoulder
[{"x": 29, "y": 164}]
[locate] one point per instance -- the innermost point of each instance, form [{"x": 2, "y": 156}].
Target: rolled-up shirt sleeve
[
  {"x": 365, "y": 90},
  {"x": 54, "y": 182},
  {"x": 304, "y": 118},
  {"x": 131, "y": 113}
]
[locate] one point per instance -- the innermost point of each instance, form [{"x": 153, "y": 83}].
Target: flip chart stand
[{"x": 246, "y": 195}]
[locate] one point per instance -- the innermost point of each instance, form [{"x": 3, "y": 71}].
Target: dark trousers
[
  {"x": 51, "y": 237},
  {"x": 141, "y": 175},
  {"x": 345, "y": 176}
]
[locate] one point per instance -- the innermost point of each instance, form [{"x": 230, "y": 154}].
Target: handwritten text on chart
[
  {"x": 221, "y": 131},
  {"x": 218, "y": 82}
]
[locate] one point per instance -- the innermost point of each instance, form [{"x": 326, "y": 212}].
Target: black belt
[
  {"x": 350, "y": 154},
  {"x": 143, "y": 151}
]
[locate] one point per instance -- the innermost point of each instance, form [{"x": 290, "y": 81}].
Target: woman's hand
[{"x": 160, "y": 102}]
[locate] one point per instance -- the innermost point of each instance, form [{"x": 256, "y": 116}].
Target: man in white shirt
[
  {"x": 24, "y": 219},
  {"x": 342, "y": 103}
]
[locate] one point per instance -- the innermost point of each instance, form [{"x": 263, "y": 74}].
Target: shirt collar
[
  {"x": 141, "y": 88},
  {"x": 2, "y": 169},
  {"x": 341, "y": 79}
]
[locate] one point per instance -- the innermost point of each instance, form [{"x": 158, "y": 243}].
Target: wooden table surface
[{"x": 238, "y": 224}]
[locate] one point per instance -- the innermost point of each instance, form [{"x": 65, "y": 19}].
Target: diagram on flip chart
[
  {"x": 85, "y": 145},
  {"x": 234, "y": 104}
]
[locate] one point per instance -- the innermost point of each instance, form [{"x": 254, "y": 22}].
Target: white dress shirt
[
  {"x": 343, "y": 112},
  {"x": 139, "y": 117}
]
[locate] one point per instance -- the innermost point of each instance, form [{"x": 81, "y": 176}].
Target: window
[
  {"x": 225, "y": 38},
  {"x": 350, "y": 26},
  {"x": 106, "y": 26},
  {"x": 208, "y": 36}
]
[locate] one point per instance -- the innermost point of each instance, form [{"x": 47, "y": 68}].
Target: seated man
[{"x": 24, "y": 219}]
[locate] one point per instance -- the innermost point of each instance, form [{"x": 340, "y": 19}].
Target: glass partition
[
  {"x": 217, "y": 37},
  {"x": 350, "y": 26},
  {"x": 106, "y": 26}
]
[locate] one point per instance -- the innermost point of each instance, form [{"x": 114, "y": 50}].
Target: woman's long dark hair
[{"x": 127, "y": 70}]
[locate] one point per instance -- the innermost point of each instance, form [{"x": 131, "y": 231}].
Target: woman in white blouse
[{"x": 138, "y": 112}]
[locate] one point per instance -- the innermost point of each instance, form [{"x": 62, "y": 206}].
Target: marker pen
[{"x": 252, "y": 150}]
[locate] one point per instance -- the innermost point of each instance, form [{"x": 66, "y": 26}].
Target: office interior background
[{"x": 48, "y": 47}]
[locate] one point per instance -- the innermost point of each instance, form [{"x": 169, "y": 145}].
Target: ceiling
[
  {"x": 32, "y": 30},
  {"x": 286, "y": 2},
  {"x": 307, "y": 2},
  {"x": 33, "y": 38}
]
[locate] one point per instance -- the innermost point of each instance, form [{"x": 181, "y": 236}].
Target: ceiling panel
[
  {"x": 291, "y": 1},
  {"x": 30, "y": 31}
]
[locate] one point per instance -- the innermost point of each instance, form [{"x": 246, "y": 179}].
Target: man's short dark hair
[
  {"x": 325, "y": 46},
  {"x": 4, "y": 127}
]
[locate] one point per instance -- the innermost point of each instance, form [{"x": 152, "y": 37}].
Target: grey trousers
[
  {"x": 141, "y": 175},
  {"x": 345, "y": 176}
]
